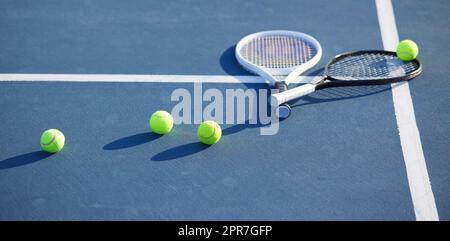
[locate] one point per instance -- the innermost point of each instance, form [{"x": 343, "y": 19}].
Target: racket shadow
[
  {"x": 231, "y": 66},
  {"x": 336, "y": 94},
  {"x": 229, "y": 63},
  {"x": 339, "y": 94}
]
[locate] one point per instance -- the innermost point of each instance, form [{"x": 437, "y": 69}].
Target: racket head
[
  {"x": 274, "y": 54},
  {"x": 369, "y": 67}
]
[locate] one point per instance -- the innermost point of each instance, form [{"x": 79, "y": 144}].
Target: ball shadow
[
  {"x": 24, "y": 159},
  {"x": 131, "y": 141},
  {"x": 180, "y": 151},
  {"x": 239, "y": 127}
]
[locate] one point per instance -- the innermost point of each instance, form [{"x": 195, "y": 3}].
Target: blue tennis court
[{"x": 97, "y": 70}]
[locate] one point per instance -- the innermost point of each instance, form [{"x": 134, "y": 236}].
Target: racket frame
[{"x": 274, "y": 75}]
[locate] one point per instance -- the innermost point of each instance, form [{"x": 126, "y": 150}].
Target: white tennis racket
[{"x": 279, "y": 57}]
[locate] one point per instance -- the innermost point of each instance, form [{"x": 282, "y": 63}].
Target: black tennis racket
[{"x": 372, "y": 67}]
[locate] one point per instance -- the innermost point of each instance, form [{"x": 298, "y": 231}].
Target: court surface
[{"x": 97, "y": 70}]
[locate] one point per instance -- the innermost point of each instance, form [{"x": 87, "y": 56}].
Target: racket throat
[
  {"x": 291, "y": 94},
  {"x": 281, "y": 86}
]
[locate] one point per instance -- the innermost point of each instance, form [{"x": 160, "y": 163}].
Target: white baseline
[
  {"x": 416, "y": 168},
  {"x": 133, "y": 78}
]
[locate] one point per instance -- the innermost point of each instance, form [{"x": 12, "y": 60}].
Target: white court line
[
  {"x": 142, "y": 78},
  {"x": 416, "y": 168}
]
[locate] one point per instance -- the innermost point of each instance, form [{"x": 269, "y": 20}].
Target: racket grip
[{"x": 288, "y": 95}]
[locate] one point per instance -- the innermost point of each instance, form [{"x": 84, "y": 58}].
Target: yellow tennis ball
[
  {"x": 209, "y": 132},
  {"x": 52, "y": 140},
  {"x": 161, "y": 122},
  {"x": 407, "y": 50}
]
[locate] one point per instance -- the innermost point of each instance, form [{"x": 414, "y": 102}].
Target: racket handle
[
  {"x": 283, "y": 110},
  {"x": 288, "y": 95}
]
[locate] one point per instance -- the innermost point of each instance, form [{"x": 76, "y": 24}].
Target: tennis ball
[
  {"x": 52, "y": 140},
  {"x": 407, "y": 50},
  {"x": 209, "y": 132},
  {"x": 161, "y": 122}
]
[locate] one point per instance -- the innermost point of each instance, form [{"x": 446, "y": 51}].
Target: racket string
[
  {"x": 278, "y": 51},
  {"x": 369, "y": 66}
]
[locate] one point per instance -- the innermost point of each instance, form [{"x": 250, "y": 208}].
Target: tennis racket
[
  {"x": 279, "y": 57},
  {"x": 371, "y": 67}
]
